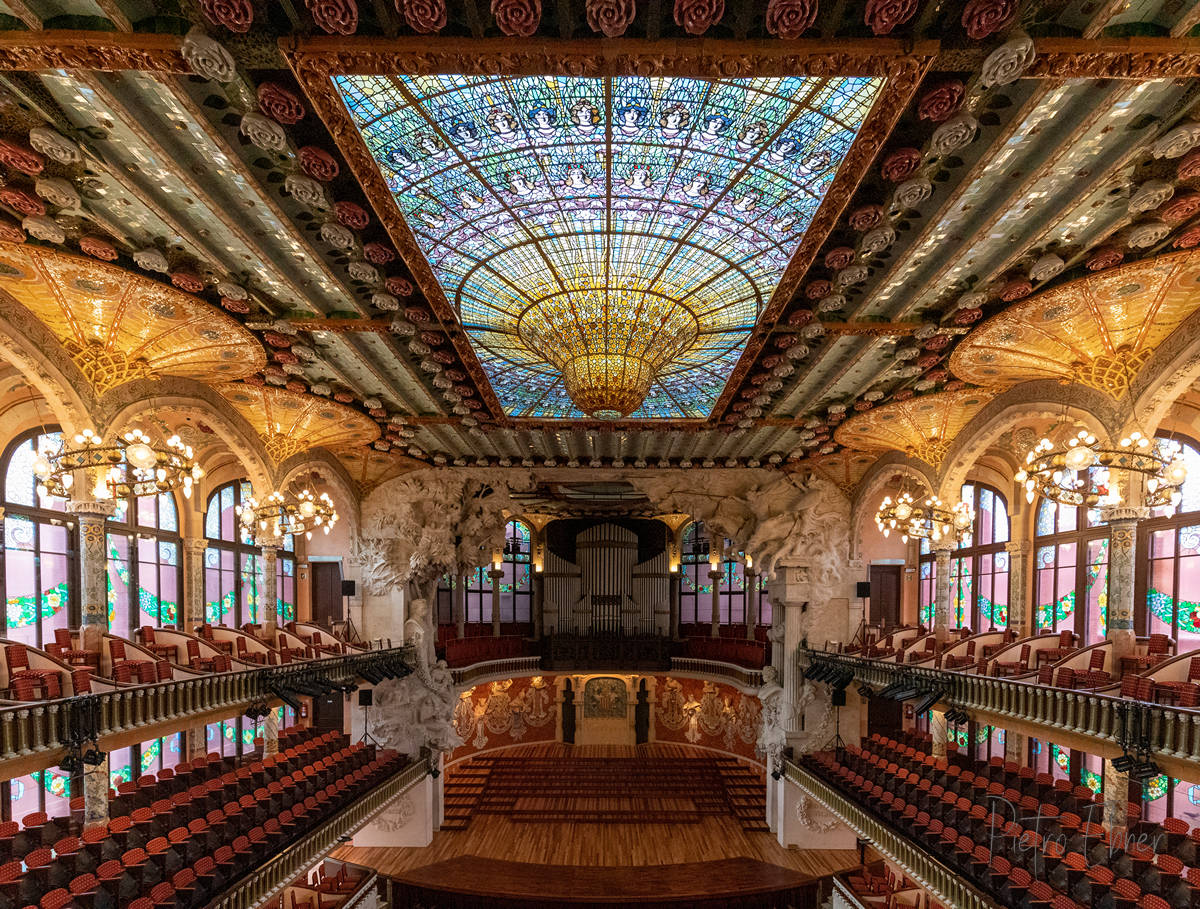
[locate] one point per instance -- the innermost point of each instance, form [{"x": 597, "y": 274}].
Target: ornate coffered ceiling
[{"x": 1005, "y": 151}]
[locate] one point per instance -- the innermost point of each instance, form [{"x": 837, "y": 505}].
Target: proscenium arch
[
  {"x": 181, "y": 397},
  {"x": 1044, "y": 398}
]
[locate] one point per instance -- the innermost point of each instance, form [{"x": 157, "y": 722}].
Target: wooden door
[
  {"x": 885, "y": 596},
  {"x": 326, "y": 592}
]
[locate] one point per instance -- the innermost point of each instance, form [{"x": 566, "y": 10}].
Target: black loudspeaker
[
  {"x": 839, "y": 697},
  {"x": 347, "y": 588},
  {"x": 863, "y": 589},
  {"x": 366, "y": 696}
]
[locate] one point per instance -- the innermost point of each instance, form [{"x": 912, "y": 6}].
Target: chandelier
[
  {"x": 132, "y": 465},
  {"x": 930, "y": 519},
  {"x": 279, "y": 515},
  {"x": 1084, "y": 472},
  {"x": 609, "y": 344}
]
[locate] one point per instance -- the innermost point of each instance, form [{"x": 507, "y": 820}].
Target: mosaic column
[
  {"x": 715, "y": 576},
  {"x": 93, "y": 570},
  {"x": 1122, "y": 522},
  {"x": 192, "y": 613},
  {"x": 495, "y": 574},
  {"x": 1019, "y": 555},
  {"x": 1116, "y": 796},
  {"x": 95, "y": 796},
  {"x": 269, "y": 613},
  {"x": 937, "y": 731},
  {"x": 270, "y": 733},
  {"x": 1016, "y": 747},
  {"x": 751, "y": 603},
  {"x": 941, "y": 595}
]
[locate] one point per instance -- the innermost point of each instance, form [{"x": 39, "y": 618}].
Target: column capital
[
  {"x": 1122, "y": 514},
  {"x": 195, "y": 544},
  {"x": 99, "y": 508},
  {"x": 1018, "y": 547},
  {"x": 495, "y": 573},
  {"x": 715, "y": 573}
]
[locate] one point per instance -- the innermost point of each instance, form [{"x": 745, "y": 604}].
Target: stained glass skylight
[{"x": 592, "y": 231}]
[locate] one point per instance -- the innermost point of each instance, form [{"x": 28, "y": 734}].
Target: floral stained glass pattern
[{"x": 599, "y": 201}]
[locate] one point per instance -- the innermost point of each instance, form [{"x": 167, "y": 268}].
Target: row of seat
[
  {"x": 182, "y": 852},
  {"x": 1026, "y": 855}
]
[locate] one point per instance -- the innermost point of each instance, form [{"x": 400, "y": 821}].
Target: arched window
[
  {"x": 696, "y": 587},
  {"x": 979, "y": 567},
  {"x": 1071, "y": 570},
  {"x": 1169, "y": 562},
  {"x": 516, "y": 584},
  {"x": 40, "y": 570},
  {"x": 231, "y": 570},
  {"x": 926, "y": 585},
  {"x": 145, "y": 567}
]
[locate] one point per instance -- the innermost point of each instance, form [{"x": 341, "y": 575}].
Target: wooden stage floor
[{"x": 626, "y": 845}]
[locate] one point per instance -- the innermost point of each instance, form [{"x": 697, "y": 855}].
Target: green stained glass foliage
[{"x": 536, "y": 192}]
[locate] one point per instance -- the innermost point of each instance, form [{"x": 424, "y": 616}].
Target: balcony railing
[
  {"x": 1173, "y": 733},
  {"x": 281, "y": 870},
  {"x": 35, "y": 734},
  {"x": 496, "y": 669},
  {"x": 946, "y": 884},
  {"x": 739, "y": 676}
]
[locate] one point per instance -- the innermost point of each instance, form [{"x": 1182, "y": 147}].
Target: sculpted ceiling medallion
[
  {"x": 118, "y": 326},
  {"x": 923, "y": 427},
  {"x": 608, "y": 243},
  {"x": 289, "y": 423},
  {"x": 1098, "y": 331}
]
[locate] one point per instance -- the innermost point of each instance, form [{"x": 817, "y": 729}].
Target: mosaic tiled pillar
[
  {"x": 1019, "y": 554},
  {"x": 495, "y": 574},
  {"x": 715, "y": 576},
  {"x": 193, "y": 584},
  {"x": 269, "y": 614},
  {"x": 1116, "y": 797},
  {"x": 1122, "y": 522},
  {"x": 95, "y": 796},
  {"x": 1016, "y": 747},
  {"x": 937, "y": 731},
  {"x": 941, "y": 595},
  {"x": 93, "y": 570}
]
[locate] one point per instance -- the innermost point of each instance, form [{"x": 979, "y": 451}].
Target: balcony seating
[
  {"x": 1013, "y": 667},
  {"x": 1158, "y": 648},
  {"x": 149, "y": 858},
  {"x": 26, "y": 683},
  {"x": 960, "y": 660},
  {"x": 989, "y": 650},
  {"x": 1170, "y": 691},
  {"x": 162, "y": 651},
  {"x": 69, "y": 654},
  {"x": 1039, "y": 854},
  {"x": 751, "y": 654}
]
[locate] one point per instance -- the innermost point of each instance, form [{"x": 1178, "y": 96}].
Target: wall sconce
[
  {"x": 749, "y": 561},
  {"x": 674, "y": 568}
]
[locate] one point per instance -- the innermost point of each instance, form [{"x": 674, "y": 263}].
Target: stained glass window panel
[{"x": 605, "y": 197}]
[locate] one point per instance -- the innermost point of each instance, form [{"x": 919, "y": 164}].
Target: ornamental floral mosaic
[{"x": 608, "y": 207}]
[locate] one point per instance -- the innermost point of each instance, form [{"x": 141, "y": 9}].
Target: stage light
[
  {"x": 926, "y": 702},
  {"x": 70, "y": 763},
  {"x": 1123, "y": 764},
  {"x": 1145, "y": 769},
  {"x": 93, "y": 757},
  {"x": 864, "y": 691}
]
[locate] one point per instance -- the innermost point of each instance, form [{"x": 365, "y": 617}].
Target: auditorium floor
[{"x": 709, "y": 839}]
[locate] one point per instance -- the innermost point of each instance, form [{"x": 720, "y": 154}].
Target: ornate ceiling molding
[
  {"x": 925, "y": 427},
  {"x": 107, "y": 51},
  {"x": 1099, "y": 330}
]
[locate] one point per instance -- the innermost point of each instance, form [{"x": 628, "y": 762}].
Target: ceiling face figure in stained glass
[{"x": 608, "y": 244}]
